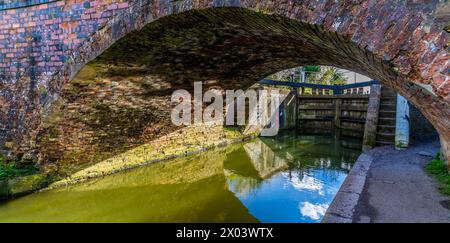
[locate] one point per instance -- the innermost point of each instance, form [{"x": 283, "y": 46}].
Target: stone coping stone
[
  {"x": 343, "y": 206},
  {"x": 23, "y": 3}
]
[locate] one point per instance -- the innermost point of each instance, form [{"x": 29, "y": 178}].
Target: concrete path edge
[{"x": 343, "y": 206}]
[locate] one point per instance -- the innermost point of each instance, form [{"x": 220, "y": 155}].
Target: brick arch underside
[{"x": 237, "y": 47}]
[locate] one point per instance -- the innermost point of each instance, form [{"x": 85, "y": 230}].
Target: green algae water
[{"x": 289, "y": 178}]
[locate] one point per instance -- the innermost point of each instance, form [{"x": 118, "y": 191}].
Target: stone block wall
[{"x": 420, "y": 128}]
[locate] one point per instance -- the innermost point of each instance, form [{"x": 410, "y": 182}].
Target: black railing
[{"x": 337, "y": 89}]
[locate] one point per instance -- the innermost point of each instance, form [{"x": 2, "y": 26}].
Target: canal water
[{"x": 289, "y": 178}]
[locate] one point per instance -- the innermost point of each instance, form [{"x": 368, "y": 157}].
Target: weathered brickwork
[
  {"x": 35, "y": 43},
  {"x": 401, "y": 43},
  {"x": 38, "y": 39},
  {"x": 105, "y": 111}
]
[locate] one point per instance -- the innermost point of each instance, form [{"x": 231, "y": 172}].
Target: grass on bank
[
  {"x": 439, "y": 169},
  {"x": 14, "y": 168}
]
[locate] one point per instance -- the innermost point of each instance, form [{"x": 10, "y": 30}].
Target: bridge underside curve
[{"x": 235, "y": 47}]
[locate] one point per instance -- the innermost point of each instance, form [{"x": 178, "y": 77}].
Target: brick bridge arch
[{"x": 42, "y": 47}]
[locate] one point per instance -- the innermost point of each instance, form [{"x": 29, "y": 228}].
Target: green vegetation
[
  {"x": 314, "y": 74},
  {"x": 312, "y": 68},
  {"x": 333, "y": 76},
  {"x": 234, "y": 129},
  {"x": 14, "y": 168},
  {"x": 439, "y": 169}
]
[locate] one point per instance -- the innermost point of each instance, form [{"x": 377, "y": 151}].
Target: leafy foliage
[
  {"x": 312, "y": 68},
  {"x": 14, "y": 168},
  {"x": 284, "y": 75},
  {"x": 314, "y": 74},
  {"x": 332, "y": 76},
  {"x": 439, "y": 169}
]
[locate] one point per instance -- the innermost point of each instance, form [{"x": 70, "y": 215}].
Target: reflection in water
[
  {"x": 313, "y": 211},
  {"x": 297, "y": 176},
  {"x": 262, "y": 157},
  {"x": 289, "y": 178}
]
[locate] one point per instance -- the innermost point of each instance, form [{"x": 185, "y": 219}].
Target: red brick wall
[
  {"x": 35, "y": 43},
  {"x": 45, "y": 34}
]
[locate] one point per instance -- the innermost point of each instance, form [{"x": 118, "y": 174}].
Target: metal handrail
[{"x": 337, "y": 89}]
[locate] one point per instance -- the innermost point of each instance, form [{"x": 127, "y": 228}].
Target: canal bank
[
  {"x": 391, "y": 186},
  {"x": 196, "y": 139}
]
